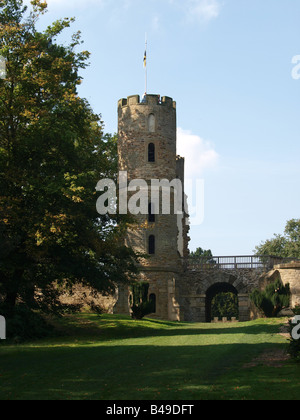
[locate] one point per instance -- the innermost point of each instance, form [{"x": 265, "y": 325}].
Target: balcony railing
[{"x": 237, "y": 262}]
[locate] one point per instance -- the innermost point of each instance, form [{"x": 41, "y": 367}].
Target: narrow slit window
[
  {"x": 151, "y": 152},
  {"x": 151, "y": 123},
  {"x": 151, "y": 244},
  {"x": 151, "y": 213}
]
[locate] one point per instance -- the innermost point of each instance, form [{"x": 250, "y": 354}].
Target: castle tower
[{"x": 147, "y": 151}]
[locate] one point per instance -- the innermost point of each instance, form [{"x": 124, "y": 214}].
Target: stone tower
[{"x": 147, "y": 151}]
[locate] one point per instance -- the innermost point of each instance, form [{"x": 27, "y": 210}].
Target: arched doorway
[{"x": 218, "y": 289}]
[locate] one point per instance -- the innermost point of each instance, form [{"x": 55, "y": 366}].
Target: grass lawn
[{"x": 116, "y": 358}]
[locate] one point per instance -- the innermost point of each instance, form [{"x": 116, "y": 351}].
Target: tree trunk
[{"x": 13, "y": 289}]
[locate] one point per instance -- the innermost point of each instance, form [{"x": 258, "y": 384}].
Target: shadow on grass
[{"x": 145, "y": 372}]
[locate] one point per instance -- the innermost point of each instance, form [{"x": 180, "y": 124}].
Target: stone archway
[
  {"x": 212, "y": 292},
  {"x": 195, "y": 289},
  {"x": 228, "y": 281}
]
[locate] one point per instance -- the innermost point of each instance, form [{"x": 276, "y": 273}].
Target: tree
[
  {"x": 52, "y": 154},
  {"x": 283, "y": 246},
  {"x": 201, "y": 254}
]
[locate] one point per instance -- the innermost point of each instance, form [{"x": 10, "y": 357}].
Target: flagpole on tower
[{"x": 145, "y": 64}]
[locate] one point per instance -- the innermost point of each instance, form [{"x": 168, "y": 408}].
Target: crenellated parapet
[{"x": 132, "y": 100}]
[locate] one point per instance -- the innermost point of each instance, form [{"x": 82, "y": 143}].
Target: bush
[
  {"x": 141, "y": 310},
  {"x": 23, "y": 324},
  {"x": 273, "y": 299}
]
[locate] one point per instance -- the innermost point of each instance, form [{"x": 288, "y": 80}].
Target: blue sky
[{"x": 228, "y": 65}]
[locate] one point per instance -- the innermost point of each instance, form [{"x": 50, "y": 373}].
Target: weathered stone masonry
[{"x": 140, "y": 125}]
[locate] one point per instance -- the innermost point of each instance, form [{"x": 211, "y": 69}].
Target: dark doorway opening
[{"x": 152, "y": 299}]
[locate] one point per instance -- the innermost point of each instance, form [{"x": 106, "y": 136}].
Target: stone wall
[
  {"x": 135, "y": 135},
  {"x": 182, "y": 220},
  {"x": 194, "y": 286},
  {"x": 163, "y": 285},
  {"x": 184, "y": 294},
  {"x": 287, "y": 273},
  {"x": 140, "y": 124}
]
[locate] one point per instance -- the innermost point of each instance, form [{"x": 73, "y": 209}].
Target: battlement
[
  {"x": 147, "y": 100},
  {"x": 180, "y": 158}
]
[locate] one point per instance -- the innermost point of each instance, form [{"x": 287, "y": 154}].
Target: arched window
[
  {"x": 152, "y": 300},
  {"x": 151, "y": 213},
  {"x": 151, "y": 123},
  {"x": 151, "y": 244},
  {"x": 151, "y": 152}
]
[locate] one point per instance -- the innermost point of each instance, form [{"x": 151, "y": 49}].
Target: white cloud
[
  {"x": 192, "y": 10},
  {"x": 156, "y": 24},
  {"x": 199, "y": 10},
  {"x": 203, "y": 10},
  {"x": 199, "y": 154}
]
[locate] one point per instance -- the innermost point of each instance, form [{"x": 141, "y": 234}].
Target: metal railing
[{"x": 237, "y": 262}]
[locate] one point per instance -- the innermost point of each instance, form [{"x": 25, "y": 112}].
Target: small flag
[{"x": 145, "y": 59}]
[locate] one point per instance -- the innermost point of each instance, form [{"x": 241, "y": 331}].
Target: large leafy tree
[
  {"x": 286, "y": 245},
  {"x": 52, "y": 154}
]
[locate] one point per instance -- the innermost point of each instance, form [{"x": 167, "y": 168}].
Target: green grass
[{"x": 116, "y": 358}]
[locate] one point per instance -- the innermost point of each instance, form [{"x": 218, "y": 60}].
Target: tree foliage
[
  {"x": 283, "y": 246},
  {"x": 201, "y": 254},
  {"x": 225, "y": 305},
  {"x": 52, "y": 154}
]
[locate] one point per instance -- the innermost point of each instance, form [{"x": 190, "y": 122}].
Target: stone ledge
[{"x": 292, "y": 265}]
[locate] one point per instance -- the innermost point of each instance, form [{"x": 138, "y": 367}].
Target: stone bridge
[{"x": 205, "y": 278}]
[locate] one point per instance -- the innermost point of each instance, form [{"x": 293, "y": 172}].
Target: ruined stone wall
[
  {"x": 287, "y": 273},
  {"x": 163, "y": 285},
  {"x": 290, "y": 273},
  {"x": 182, "y": 220}
]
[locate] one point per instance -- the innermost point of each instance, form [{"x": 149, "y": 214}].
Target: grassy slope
[{"x": 116, "y": 358}]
